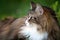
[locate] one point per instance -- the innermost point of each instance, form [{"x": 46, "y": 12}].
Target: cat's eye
[{"x": 34, "y": 18}]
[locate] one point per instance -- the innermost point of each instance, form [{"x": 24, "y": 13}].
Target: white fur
[{"x": 31, "y": 31}]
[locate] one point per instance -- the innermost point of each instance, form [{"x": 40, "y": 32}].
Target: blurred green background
[{"x": 19, "y": 8}]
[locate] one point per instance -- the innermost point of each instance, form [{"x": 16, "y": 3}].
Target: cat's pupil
[{"x": 34, "y": 18}]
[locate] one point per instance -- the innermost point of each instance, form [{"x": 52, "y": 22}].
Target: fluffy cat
[{"x": 39, "y": 24}]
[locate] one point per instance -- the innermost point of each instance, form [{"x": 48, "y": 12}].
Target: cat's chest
[
  {"x": 30, "y": 31},
  {"x": 32, "y": 34}
]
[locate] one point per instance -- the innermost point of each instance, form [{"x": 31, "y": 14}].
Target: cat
[{"x": 39, "y": 24}]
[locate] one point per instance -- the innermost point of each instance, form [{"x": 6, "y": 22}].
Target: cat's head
[
  {"x": 36, "y": 13},
  {"x": 39, "y": 15}
]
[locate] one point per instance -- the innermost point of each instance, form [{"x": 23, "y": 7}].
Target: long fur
[{"x": 10, "y": 28}]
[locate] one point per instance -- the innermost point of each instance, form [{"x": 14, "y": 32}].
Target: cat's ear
[
  {"x": 37, "y": 8},
  {"x": 33, "y": 5}
]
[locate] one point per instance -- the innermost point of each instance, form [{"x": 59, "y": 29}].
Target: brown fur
[
  {"x": 48, "y": 23},
  {"x": 9, "y": 28}
]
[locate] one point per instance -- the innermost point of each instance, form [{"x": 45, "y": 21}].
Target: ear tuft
[
  {"x": 32, "y": 2},
  {"x": 33, "y": 5}
]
